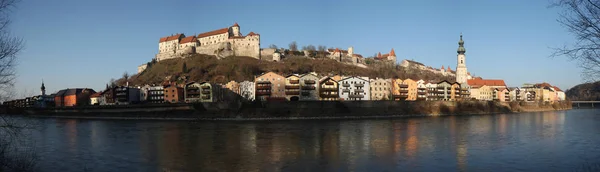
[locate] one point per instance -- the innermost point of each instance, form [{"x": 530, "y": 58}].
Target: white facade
[
  {"x": 354, "y": 88},
  {"x": 461, "y": 67},
  {"x": 561, "y": 95},
  {"x": 247, "y": 90}
]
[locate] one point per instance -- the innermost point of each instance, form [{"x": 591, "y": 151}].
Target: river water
[{"x": 541, "y": 141}]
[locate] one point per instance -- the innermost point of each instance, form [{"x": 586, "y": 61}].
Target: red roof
[
  {"x": 214, "y": 32},
  {"x": 542, "y": 85},
  {"x": 337, "y": 50},
  {"x": 170, "y": 38},
  {"x": 357, "y": 55},
  {"x": 556, "y": 88},
  {"x": 252, "y": 34},
  {"x": 235, "y": 25},
  {"x": 98, "y": 94},
  {"x": 188, "y": 39},
  {"x": 488, "y": 82},
  {"x": 392, "y": 53}
]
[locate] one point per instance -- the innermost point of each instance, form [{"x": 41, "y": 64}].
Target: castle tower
[
  {"x": 392, "y": 56},
  {"x": 350, "y": 51},
  {"x": 461, "y": 67},
  {"x": 236, "y": 29},
  {"x": 43, "y": 88}
]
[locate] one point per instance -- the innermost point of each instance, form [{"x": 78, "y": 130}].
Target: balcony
[
  {"x": 400, "y": 96},
  {"x": 346, "y": 85},
  {"x": 345, "y": 90},
  {"x": 356, "y": 96},
  {"x": 263, "y": 82},
  {"x": 329, "y": 83},
  {"x": 294, "y": 81},
  {"x": 263, "y": 93},
  {"x": 329, "y": 95},
  {"x": 263, "y": 87},
  {"x": 403, "y": 91},
  {"x": 205, "y": 87},
  {"x": 359, "y": 91},
  {"x": 359, "y": 85},
  {"x": 308, "y": 87},
  {"x": 421, "y": 93},
  {"x": 292, "y": 92},
  {"x": 305, "y": 93},
  {"x": 309, "y": 81},
  {"x": 403, "y": 85},
  {"x": 465, "y": 93},
  {"x": 328, "y": 89},
  {"x": 421, "y": 98},
  {"x": 206, "y": 97},
  {"x": 205, "y": 92},
  {"x": 292, "y": 87}
]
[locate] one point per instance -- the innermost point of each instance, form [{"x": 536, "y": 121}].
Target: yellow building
[
  {"x": 270, "y": 85},
  {"x": 404, "y": 89}
]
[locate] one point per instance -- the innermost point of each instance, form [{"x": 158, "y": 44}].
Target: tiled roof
[
  {"x": 170, "y": 38},
  {"x": 98, "y": 94},
  {"x": 542, "y": 85},
  {"x": 357, "y": 55},
  {"x": 488, "y": 82},
  {"x": 188, "y": 39},
  {"x": 556, "y": 88},
  {"x": 214, "y": 32},
  {"x": 235, "y": 25},
  {"x": 392, "y": 53},
  {"x": 252, "y": 34}
]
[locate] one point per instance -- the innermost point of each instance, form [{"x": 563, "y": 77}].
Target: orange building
[
  {"x": 455, "y": 91},
  {"x": 270, "y": 85},
  {"x": 73, "y": 97},
  {"x": 404, "y": 89},
  {"x": 173, "y": 94}
]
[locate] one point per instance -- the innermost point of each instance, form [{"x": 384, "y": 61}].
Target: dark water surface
[{"x": 544, "y": 141}]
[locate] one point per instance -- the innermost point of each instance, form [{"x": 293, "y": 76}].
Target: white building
[
  {"x": 431, "y": 91},
  {"x": 421, "y": 90},
  {"x": 152, "y": 94},
  {"x": 354, "y": 88},
  {"x": 221, "y": 42},
  {"x": 247, "y": 90}
]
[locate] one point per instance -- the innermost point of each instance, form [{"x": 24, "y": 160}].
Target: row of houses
[{"x": 311, "y": 87}]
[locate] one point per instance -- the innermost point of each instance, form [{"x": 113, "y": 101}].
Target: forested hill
[
  {"x": 585, "y": 92},
  {"x": 209, "y": 68}
]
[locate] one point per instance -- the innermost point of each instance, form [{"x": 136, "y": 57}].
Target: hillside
[
  {"x": 209, "y": 68},
  {"x": 585, "y": 92}
]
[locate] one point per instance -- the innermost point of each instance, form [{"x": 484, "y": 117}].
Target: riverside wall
[{"x": 296, "y": 110}]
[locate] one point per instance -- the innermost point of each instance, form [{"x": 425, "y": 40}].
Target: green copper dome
[{"x": 461, "y": 48}]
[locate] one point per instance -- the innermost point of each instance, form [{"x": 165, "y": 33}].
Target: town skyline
[{"x": 79, "y": 53}]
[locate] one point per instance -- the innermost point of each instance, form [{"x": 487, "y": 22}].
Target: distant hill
[
  {"x": 209, "y": 68},
  {"x": 585, "y": 92}
]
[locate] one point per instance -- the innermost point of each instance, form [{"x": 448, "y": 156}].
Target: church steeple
[
  {"x": 43, "y": 88},
  {"x": 461, "y": 47}
]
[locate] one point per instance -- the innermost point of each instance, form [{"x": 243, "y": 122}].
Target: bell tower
[
  {"x": 43, "y": 89},
  {"x": 461, "y": 66}
]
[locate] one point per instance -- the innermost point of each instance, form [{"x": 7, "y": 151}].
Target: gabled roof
[
  {"x": 235, "y": 25},
  {"x": 170, "y": 38},
  {"x": 290, "y": 75},
  {"x": 98, "y": 94},
  {"x": 392, "y": 53},
  {"x": 188, "y": 39},
  {"x": 268, "y": 73},
  {"x": 61, "y": 92},
  {"x": 354, "y": 77},
  {"x": 214, "y": 32},
  {"x": 326, "y": 78},
  {"x": 253, "y": 34},
  {"x": 556, "y": 88}
]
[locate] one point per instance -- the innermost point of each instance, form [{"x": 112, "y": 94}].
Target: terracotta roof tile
[
  {"x": 188, "y": 39},
  {"x": 556, "y": 88},
  {"x": 252, "y": 34},
  {"x": 98, "y": 94},
  {"x": 170, "y": 38},
  {"x": 488, "y": 82},
  {"x": 392, "y": 53},
  {"x": 214, "y": 32},
  {"x": 235, "y": 25}
]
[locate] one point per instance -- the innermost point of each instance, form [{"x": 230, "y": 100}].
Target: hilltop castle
[{"x": 221, "y": 43}]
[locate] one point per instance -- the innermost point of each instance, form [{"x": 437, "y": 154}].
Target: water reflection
[{"x": 463, "y": 143}]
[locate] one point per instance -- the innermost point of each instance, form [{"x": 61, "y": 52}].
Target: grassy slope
[{"x": 208, "y": 68}]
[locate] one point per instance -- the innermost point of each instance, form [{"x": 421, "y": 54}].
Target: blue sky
[{"x": 74, "y": 43}]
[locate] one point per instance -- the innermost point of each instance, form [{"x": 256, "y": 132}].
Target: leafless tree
[
  {"x": 293, "y": 46},
  {"x": 273, "y": 46},
  {"x": 582, "y": 19}
]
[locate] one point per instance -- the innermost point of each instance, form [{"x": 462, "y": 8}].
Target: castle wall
[
  {"x": 249, "y": 46},
  {"x": 214, "y": 39},
  {"x": 211, "y": 49}
]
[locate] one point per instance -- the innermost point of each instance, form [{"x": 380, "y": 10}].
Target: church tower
[
  {"x": 461, "y": 67},
  {"x": 43, "y": 88}
]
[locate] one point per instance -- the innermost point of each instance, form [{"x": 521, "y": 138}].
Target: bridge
[{"x": 585, "y": 104}]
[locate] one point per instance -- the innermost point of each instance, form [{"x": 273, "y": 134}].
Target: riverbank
[{"x": 295, "y": 110}]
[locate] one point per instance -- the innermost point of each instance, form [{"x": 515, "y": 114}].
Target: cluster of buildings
[{"x": 272, "y": 86}]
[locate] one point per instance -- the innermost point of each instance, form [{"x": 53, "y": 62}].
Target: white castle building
[{"x": 222, "y": 43}]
